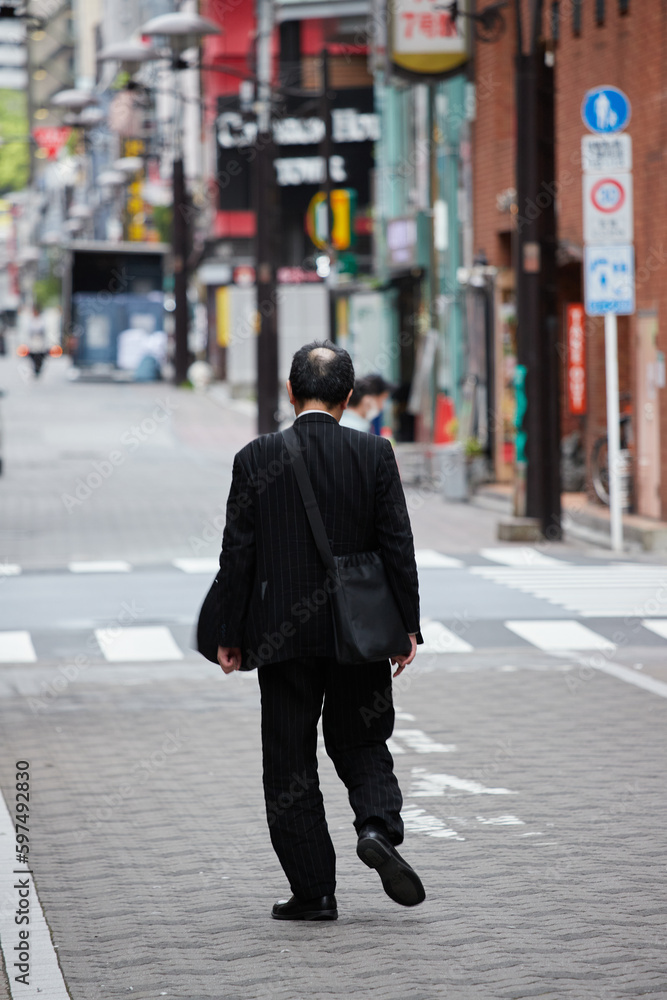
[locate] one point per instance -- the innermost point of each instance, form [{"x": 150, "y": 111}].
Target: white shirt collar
[{"x": 303, "y": 413}]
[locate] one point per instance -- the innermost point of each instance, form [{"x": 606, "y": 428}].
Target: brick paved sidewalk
[{"x": 154, "y": 868}]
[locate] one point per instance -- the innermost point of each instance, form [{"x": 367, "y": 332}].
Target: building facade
[{"x": 616, "y": 44}]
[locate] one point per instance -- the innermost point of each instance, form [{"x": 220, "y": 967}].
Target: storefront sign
[
  {"x": 402, "y": 241},
  {"x": 51, "y": 138},
  {"x": 576, "y": 360},
  {"x": 296, "y": 170},
  {"x": 347, "y": 125},
  {"x": 427, "y": 38}
]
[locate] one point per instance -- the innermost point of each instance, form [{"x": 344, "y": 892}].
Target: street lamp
[
  {"x": 73, "y": 99},
  {"x": 183, "y": 31}
]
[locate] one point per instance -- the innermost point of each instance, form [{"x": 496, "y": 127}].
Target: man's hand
[
  {"x": 403, "y": 661},
  {"x": 229, "y": 658}
]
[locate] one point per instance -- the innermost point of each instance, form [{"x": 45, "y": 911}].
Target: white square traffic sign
[
  {"x": 608, "y": 211},
  {"x": 609, "y": 280},
  {"x": 601, "y": 153}
]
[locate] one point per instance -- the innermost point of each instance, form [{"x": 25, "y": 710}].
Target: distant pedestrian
[
  {"x": 37, "y": 346},
  {"x": 367, "y": 401},
  {"x": 275, "y": 615}
]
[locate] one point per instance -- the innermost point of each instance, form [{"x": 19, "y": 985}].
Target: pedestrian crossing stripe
[
  {"x": 17, "y": 647},
  {"x": 439, "y": 639},
  {"x": 156, "y": 643},
  {"x": 614, "y": 591},
  {"x": 521, "y": 556},
  {"x": 503, "y": 558},
  {"x": 138, "y": 644},
  {"x": 553, "y": 635},
  {"x": 430, "y": 559},
  {"x": 100, "y": 566},
  {"x": 202, "y": 565},
  {"x": 657, "y": 625}
]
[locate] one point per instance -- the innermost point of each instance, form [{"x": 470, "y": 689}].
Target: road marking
[
  {"x": 138, "y": 643},
  {"x": 430, "y": 559},
  {"x": 657, "y": 625},
  {"x": 439, "y": 639},
  {"x": 17, "y": 647},
  {"x": 9, "y": 569},
  {"x": 560, "y": 635},
  {"x": 417, "y": 820},
  {"x": 45, "y": 978},
  {"x": 615, "y": 591},
  {"x": 523, "y": 556},
  {"x": 634, "y": 677},
  {"x": 500, "y": 821},
  {"x": 100, "y": 566},
  {"x": 208, "y": 565},
  {"x": 393, "y": 747},
  {"x": 428, "y": 786},
  {"x": 418, "y": 741}
]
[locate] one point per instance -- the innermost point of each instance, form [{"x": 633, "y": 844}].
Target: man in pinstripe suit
[{"x": 275, "y": 616}]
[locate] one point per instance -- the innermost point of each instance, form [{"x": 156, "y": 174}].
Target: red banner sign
[
  {"x": 51, "y": 138},
  {"x": 576, "y": 360}
]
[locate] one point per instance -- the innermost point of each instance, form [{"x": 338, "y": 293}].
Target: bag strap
[{"x": 308, "y": 497}]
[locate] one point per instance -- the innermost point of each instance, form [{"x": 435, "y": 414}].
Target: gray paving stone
[{"x": 155, "y": 871}]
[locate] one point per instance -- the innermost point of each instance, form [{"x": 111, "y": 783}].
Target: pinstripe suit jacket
[{"x": 272, "y": 602}]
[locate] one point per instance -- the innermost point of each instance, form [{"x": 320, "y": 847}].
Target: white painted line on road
[
  {"x": 657, "y": 625},
  {"x": 500, "y": 821},
  {"x": 560, "y": 635},
  {"x": 100, "y": 566},
  {"x": 634, "y": 677},
  {"x": 393, "y": 747},
  {"x": 17, "y": 647},
  {"x": 9, "y": 569},
  {"x": 148, "y": 643},
  {"x": 430, "y": 559},
  {"x": 418, "y": 741},
  {"x": 439, "y": 639},
  {"x": 588, "y": 591},
  {"x": 209, "y": 565},
  {"x": 44, "y": 981},
  {"x": 522, "y": 556},
  {"x": 417, "y": 820},
  {"x": 429, "y": 786}
]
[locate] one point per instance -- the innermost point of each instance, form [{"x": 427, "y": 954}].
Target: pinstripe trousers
[{"x": 357, "y": 719}]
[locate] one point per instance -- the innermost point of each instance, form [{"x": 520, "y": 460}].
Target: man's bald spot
[{"x": 321, "y": 357}]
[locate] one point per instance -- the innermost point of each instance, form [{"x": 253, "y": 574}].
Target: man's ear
[
  {"x": 348, "y": 399},
  {"x": 288, "y": 384}
]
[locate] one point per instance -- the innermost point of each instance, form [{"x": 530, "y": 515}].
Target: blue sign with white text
[
  {"x": 605, "y": 110},
  {"x": 609, "y": 280}
]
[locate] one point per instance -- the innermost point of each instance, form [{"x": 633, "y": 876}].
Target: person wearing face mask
[{"x": 366, "y": 403}]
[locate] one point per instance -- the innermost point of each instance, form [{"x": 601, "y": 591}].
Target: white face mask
[{"x": 372, "y": 412}]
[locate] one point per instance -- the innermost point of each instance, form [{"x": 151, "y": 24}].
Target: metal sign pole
[{"x": 613, "y": 431}]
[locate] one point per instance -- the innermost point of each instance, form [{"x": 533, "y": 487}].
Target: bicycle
[{"x": 600, "y": 461}]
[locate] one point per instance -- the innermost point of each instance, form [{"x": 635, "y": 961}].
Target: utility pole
[
  {"x": 180, "y": 255},
  {"x": 537, "y": 334},
  {"x": 265, "y": 206}
]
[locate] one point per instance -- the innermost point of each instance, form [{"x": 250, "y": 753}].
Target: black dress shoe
[
  {"x": 323, "y": 908},
  {"x": 399, "y": 880}
]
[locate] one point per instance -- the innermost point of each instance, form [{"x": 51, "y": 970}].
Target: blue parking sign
[{"x": 605, "y": 110}]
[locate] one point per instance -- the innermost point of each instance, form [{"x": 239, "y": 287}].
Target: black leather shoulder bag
[{"x": 367, "y": 622}]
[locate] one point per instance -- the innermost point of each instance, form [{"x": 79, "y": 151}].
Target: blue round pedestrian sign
[{"x": 605, "y": 110}]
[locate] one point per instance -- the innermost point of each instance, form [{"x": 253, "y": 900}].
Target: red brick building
[{"x": 617, "y": 43}]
